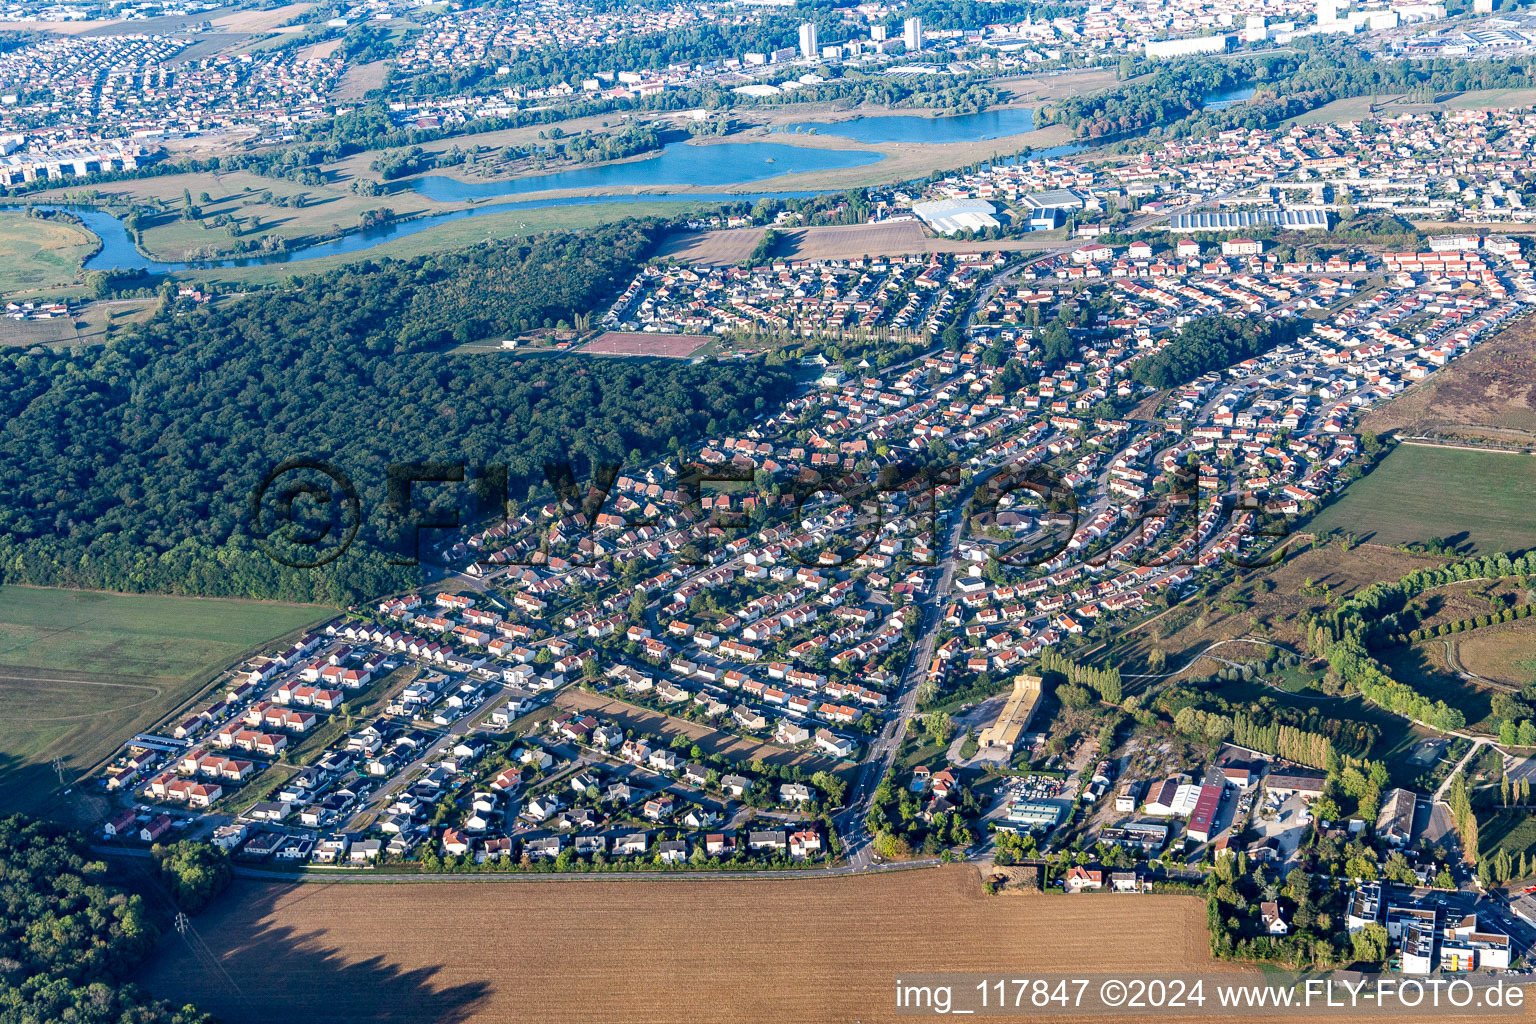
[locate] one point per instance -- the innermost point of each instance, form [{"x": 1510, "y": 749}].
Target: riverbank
[{"x": 319, "y": 226}]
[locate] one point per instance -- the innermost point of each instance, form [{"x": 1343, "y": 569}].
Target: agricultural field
[
  {"x": 95, "y": 323},
  {"x": 1505, "y": 653},
  {"x": 321, "y": 50},
  {"x": 711, "y": 248},
  {"x": 80, "y": 671},
  {"x": 804, "y": 950},
  {"x": 260, "y": 20},
  {"x": 1478, "y": 501},
  {"x": 726, "y": 744},
  {"x": 1488, "y": 393},
  {"x": 361, "y": 79},
  {"x": 42, "y": 255}
]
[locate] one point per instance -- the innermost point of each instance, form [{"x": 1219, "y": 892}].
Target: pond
[
  {"x": 678, "y": 163},
  {"x": 989, "y": 124}
]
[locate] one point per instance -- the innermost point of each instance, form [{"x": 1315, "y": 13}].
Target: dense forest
[
  {"x": 1211, "y": 343},
  {"x": 1170, "y": 93},
  {"x": 133, "y": 466},
  {"x": 68, "y": 939}
]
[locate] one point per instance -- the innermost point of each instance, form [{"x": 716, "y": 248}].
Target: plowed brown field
[
  {"x": 794, "y": 951},
  {"x": 798, "y": 950}
]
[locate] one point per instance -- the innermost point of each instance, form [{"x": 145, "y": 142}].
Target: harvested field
[
  {"x": 1478, "y": 501},
  {"x": 1488, "y": 393},
  {"x": 621, "y": 343},
  {"x": 802, "y": 950},
  {"x": 711, "y": 248},
  {"x": 1505, "y": 653},
  {"x": 260, "y": 20},
  {"x": 321, "y": 50},
  {"x": 842, "y": 241},
  {"x": 713, "y": 740}
]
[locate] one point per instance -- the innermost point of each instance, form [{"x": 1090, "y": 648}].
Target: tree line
[
  {"x": 1287, "y": 741},
  {"x": 1104, "y": 681}
]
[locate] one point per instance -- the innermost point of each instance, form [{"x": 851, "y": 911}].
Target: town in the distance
[{"x": 1024, "y": 487}]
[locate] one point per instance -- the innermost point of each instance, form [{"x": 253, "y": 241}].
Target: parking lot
[{"x": 1287, "y": 825}]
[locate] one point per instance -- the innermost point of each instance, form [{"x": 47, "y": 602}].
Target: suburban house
[
  {"x": 1080, "y": 877},
  {"x": 1274, "y": 923}
]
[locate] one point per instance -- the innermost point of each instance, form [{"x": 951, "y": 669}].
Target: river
[
  {"x": 119, "y": 253},
  {"x": 677, "y": 164}
]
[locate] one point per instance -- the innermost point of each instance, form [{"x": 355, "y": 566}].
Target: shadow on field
[
  {"x": 235, "y": 963},
  {"x": 25, "y": 786}
]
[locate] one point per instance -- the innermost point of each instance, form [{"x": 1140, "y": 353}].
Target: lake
[
  {"x": 990, "y": 124},
  {"x": 678, "y": 163}
]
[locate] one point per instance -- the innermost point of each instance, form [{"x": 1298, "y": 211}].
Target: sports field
[
  {"x": 80, "y": 671},
  {"x": 804, "y": 950},
  {"x": 1480, "y": 501},
  {"x": 621, "y": 343}
]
